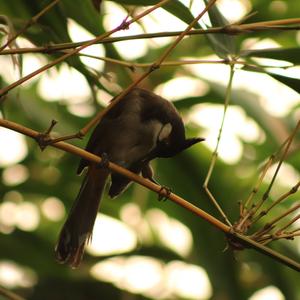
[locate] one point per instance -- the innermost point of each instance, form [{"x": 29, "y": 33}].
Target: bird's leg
[
  {"x": 104, "y": 163},
  {"x": 164, "y": 193},
  {"x": 147, "y": 172}
]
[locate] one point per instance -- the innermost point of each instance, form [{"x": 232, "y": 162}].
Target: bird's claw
[
  {"x": 104, "y": 163},
  {"x": 164, "y": 193}
]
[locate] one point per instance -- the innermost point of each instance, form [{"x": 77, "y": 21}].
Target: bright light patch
[
  {"x": 171, "y": 232},
  {"x": 13, "y": 275},
  {"x": 111, "y": 236},
  {"x": 267, "y": 293},
  {"x": 154, "y": 279},
  {"x": 113, "y": 17},
  {"x": 31, "y": 63},
  {"x": 15, "y": 175},
  {"x": 13, "y": 148},
  {"x": 78, "y": 34},
  {"x": 143, "y": 274},
  {"x": 28, "y": 216},
  {"x": 137, "y": 274},
  {"x": 9, "y": 73},
  {"x": 109, "y": 270},
  {"x": 103, "y": 97},
  {"x": 161, "y": 21},
  {"x": 256, "y": 43},
  {"x": 188, "y": 281},
  {"x": 53, "y": 209},
  {"x": 64, "y": 84},
  {"x": 189, "y": 87},
  {"x": 131, "y": 214},
  {"x": 236, "y": 126},
  {"x": 81, "y": 109},
  {"x": 8, "y": 213},
  {"x": 275, "y": 98},
  {"x": 234, "y": 10}
]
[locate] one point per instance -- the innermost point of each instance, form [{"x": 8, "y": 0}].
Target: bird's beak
[{"x": 190, "y": 142}]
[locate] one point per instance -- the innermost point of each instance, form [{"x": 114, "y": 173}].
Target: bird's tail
[{"x": 78, "y": 227}]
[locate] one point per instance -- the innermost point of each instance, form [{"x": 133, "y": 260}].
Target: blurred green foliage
[{"x": 232, "y": 275}]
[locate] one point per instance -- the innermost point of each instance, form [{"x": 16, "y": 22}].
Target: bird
[{"x": 140, "y": 127}]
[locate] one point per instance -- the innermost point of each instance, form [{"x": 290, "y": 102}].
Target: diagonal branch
[{"x": 157, "y": 189}]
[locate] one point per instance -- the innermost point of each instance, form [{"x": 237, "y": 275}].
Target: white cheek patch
[{"x": 165, "y": 132}]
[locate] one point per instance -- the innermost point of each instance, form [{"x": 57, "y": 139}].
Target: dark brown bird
[{"x": 139, "y": 128}]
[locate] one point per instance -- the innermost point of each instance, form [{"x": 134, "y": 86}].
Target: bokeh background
[{"x": 143, "y": 248}]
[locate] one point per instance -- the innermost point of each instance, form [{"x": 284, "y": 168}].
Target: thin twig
[
  {"x": 180, "y": 62},
  {"x": 215, "y": 153},
  {"x": 282, "y": 158},
  {"x": 259, "y": 182},
  {"x": 157, "y": 189},
  {"x": 293, "y": 190},
  {"x": 270, "y": 225},
  {"x": 32, "y": 21},
  {"x": 283, "y": 215},
  {"x": 9, "y": 294},
  {"x": 288, "y": 224},
  {"x": 229, "y": 29},
  {"x": 295, "y": 231}
]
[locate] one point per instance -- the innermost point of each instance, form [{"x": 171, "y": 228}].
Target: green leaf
[
  {"x": 175, "y": 7},
  {"x": 291, "y": 55},
  {"x": 84, "y": 13},
  {"x": 223, "y": 44},
  {"x": 180, "y": 11},
  {"x": 293, "y": 83}
]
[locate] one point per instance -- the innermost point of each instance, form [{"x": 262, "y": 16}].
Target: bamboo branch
[{"x": 229, "y": 29}]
